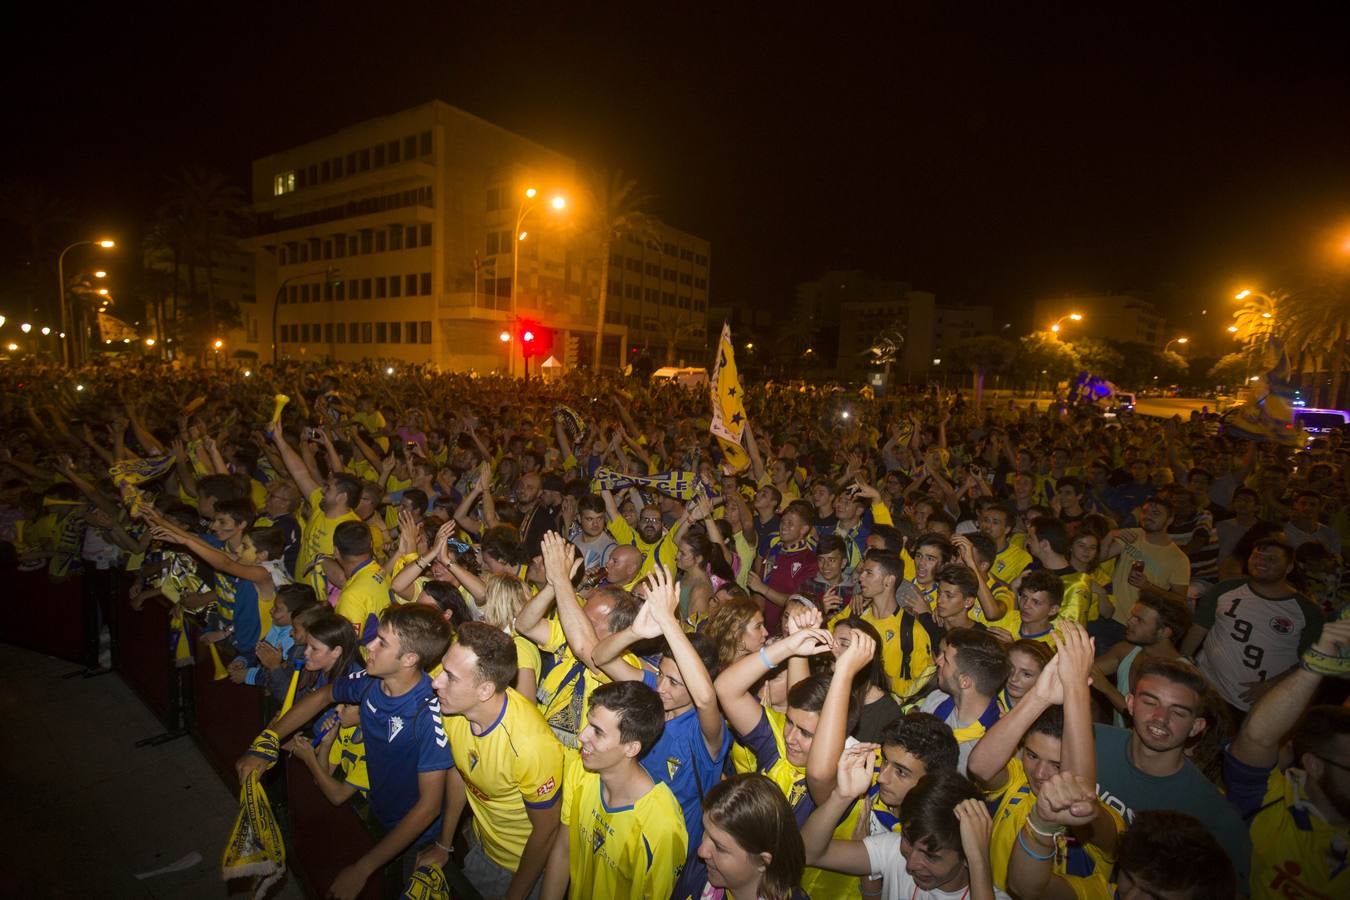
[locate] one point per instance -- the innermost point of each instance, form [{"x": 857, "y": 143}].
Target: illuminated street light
[
  {"x": 149, "y": 342},
  {"x": 1242, "y": 295},
  {"x": 26, "y": 327},
  {"x": 102, "y": 292},
  {"x": 100, "y": 274},
  {"x": 218, "y": 343},
  {"x": 523, "y": 211},
  {"x": 1073, "y": 316},
  {"x": 1178, "y": 340},
  {"x": 46, "y": 331},
  {"x": 79, "y": 387},
  {"x": 389, "y": 370},
  {"x": 106, "y": 244},
  {"x": 248, "y": 373},
  {"x": 504, "y": 337},
  {"x": 1266, "y": 316},
  {"x": 1232, "y": 329},
  {"x": 11, "y": 346}
]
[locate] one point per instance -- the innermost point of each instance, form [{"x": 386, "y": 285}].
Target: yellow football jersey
[
  {"x": 1004, "y": 595},
  {"x": 316, "y": 537},
  {"x": 516, "y": 763},
  {"x": 1010, "y": 562},
  {"x": 1015, "y": 803},
  {"x": 1296, "y": 852},
  {"x": 629, "y": 853},
  {"x": 906, "y": 651}
]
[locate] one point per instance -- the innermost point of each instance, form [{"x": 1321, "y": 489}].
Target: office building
[{"x": 400, "y": 238}]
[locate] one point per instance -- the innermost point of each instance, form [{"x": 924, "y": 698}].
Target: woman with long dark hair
[{"x": 751, "y": 844}]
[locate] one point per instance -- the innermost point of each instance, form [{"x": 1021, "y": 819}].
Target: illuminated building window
[{"x": 283, "y": 183}]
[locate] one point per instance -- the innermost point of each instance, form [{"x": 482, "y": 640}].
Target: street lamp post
[
  {"x": 329, "y": 274},
  {"x": 1073, "y": 316},
  {"x": 1176, "y": 340},
  {"x": 522, "y": 211},
  {"x": 61, "y": 277}
]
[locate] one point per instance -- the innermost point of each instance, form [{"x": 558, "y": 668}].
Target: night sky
[{"x": 990, "y": 157}]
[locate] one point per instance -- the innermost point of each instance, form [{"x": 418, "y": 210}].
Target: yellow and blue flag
[
  {"x": 140, "y": 470},
  {"x": 1268, "y": 414},
  {"x": 728, "y": 403},
  {"x": 678, "y": 484}
]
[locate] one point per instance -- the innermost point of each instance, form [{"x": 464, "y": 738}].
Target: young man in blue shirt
[{"x": 407, "y": 751}]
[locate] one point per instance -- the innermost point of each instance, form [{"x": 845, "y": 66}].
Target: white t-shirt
[{"x": 883, "y": 853}]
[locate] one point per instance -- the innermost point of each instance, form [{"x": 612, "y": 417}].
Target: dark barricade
[
  {"x": 144, "y": 656},
  {"x": 324, "y": 839},
  {"x": 47, "y": 615},
  {"x": 226, "y": 716}
]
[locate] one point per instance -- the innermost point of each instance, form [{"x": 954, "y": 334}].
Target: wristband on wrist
[
  {"x": 1054, "y": 832},
  {"x": 440, "y": 846},
  {"x": 764, "y": 658},
  {"x": 1036, "y": 856}
]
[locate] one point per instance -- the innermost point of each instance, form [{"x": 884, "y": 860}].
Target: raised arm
[
  {"x": 1079, "y": 754},
  {"x": 303, "y": 477},
  {"x": 989, "y": 758},
  {"x": 164, "y": 530},
  {"x": 852, "y": 780},
  {"x": 335, "y": 463},
  {"x": 822, "y": 762},
  {"x": 664, "y": 600},
  {"x": 742, "y": 708},
  {"x": 1272, "y": 717}
]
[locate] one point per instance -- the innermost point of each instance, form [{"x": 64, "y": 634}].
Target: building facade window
[{"x": 283, "y": 183}]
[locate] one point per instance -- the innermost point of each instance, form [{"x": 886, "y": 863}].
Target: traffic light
[{"x": 535, "y": 340}]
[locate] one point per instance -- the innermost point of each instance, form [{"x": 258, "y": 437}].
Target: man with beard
[
  {"x": 657, "y": 545},
  {"x": 1250, "y": 631},
  {"x": 536, "y": 517},
  {"x": 1299, "y": 816},
  {"x": 1149, "y": 562},
  {"x": 1156, "y": 626},
  {"x": 1146, "y": 767}
]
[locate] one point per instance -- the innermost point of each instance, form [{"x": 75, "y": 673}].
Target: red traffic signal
[{"x": 535, "y": 339}]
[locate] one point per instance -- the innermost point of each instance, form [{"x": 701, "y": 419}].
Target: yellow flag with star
[{"x": 728, "y": 403}]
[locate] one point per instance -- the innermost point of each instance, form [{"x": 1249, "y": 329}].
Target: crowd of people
[{"x": 545, "y": 632}]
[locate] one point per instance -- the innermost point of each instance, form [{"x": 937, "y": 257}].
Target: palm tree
[
  {"x": 211, "y": 212},
  {"x": 1317, "y": 326},
  {"x": 614, "y": 208},
  {"x": 984, "y": 355}
]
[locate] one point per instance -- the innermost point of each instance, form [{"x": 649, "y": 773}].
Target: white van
[{"x": 690, "y": 376}]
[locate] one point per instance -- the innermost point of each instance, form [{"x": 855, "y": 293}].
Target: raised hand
[
  {"x": 1066, "y": 799},
  {"x": 976, "y": 826},
  {"x": 808, "y": 642},
  {"x": 857, "y": 655},
  {"x": 1048, "y": 688},
  {"x": 1075, "y": 653},
  {"x": 559, "y": 557},
  {"x": 808, "y": 618},
  {"x": 854, "y": 775}
]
